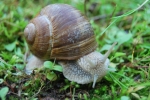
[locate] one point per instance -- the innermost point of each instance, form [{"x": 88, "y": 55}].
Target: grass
[{"x": 126, "y": 22}]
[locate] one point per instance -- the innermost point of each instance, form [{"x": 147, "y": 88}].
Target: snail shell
[{"x": 60, "y": 32}]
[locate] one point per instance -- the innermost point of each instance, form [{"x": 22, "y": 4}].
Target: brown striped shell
[{"x": 61, "y": 32}]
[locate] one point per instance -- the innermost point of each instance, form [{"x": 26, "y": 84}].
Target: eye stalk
[{"x": 109, "y": 51}]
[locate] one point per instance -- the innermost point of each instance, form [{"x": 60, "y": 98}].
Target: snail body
[
  {"x": 61, "y": 32},
  {"x": 87, "y": 69}
]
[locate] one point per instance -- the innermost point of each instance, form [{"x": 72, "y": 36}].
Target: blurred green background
[{"x": 124, "y": 21}]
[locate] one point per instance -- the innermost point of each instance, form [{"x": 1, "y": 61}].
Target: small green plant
[
  {"x": 49, "y": 73},
  {"x": 3, "y": 92}
]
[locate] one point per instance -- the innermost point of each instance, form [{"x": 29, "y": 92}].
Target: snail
[{"x": 62, "y": 33}]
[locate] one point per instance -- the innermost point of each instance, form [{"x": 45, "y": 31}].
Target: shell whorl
[
  {"x": 42, "y": 33},
  {"x": 61, "y": 32},
  {"x": 29, "y": 33}
]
